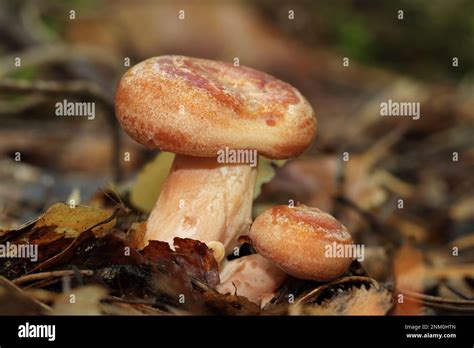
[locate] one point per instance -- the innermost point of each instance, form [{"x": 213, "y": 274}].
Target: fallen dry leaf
[
  {"x": 147, "y": 186},
  {"x": 191, "y": 256},
  {"x": 73, "y": 221},
  {"x": 55, "y": 233},
  {"x": 354, "y": 301}
]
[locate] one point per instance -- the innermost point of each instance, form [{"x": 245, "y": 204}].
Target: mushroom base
[
  {"x": 253, "y": 277},
  {"x": 204, "y": 200}
]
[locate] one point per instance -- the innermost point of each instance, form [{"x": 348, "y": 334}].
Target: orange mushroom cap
[
  {"x": 196, "y": 107},
  {"x": 296, "y": 239}
]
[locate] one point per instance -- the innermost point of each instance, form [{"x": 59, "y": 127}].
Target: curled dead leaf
[
  {"x": 354, "y": 301},
  {"x": 351, "y": 295}
]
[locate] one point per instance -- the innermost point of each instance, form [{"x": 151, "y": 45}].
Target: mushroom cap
[
  {"x": 197, "y": 107},
  {"x": 296, "y": 238}
]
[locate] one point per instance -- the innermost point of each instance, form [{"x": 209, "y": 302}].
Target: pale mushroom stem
[{"x": 204, "y": 200}]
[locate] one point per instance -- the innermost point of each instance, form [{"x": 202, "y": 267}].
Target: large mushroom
[{"x": 196, "y": 109}]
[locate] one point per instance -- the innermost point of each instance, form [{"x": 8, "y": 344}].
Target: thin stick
[
  {"x": 435, "y": 299},
  {"x": 75, "y": 88},
  {"x": 51, "y": 274},
  {"x": 48, "y": 54},
  {"x": 128, "y": 301}
]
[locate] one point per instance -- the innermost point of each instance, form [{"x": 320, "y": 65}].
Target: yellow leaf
[
  {"x": 265, "y": 173},
  {"x": 74, "y": 221},
  {"x": 147, "y": 186}
]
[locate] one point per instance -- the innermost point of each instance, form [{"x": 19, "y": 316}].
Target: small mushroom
[
  {"x": 301, "y": 241},
  {"x": 197, "y": 109}
]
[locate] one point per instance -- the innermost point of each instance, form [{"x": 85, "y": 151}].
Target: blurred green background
[{"x": 422, "y": 44}]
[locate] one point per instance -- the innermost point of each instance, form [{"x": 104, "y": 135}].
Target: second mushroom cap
[{"x": 297, "y": 238}]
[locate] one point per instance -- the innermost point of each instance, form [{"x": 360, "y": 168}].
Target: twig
[
  {"x": 129, "y": 301},
  {"x": 457, "y": 292},
  {"x": 435, "y": 299},
  {"x": 42, "y": 283},
  {"x": 51, "y": 274},
  {"x": 54, "y": 88},
  {"x": 200, "y": 285},
  {"x": 444, "y": 306},
  {"x": 48, "y": 54}
]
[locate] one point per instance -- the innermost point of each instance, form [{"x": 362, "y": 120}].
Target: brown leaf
[
  {"x": 118, "y": 266},
  {"x": 66, "y": 254},
  {"x": 193, "y": 257},
  {"x": 354, "y": 301},
  {"x": 156, "y": 271},
  {"x": 60, "y": 220},
  {"x": 229, "y": 304},
  {"x": 57, "y": 233}
]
